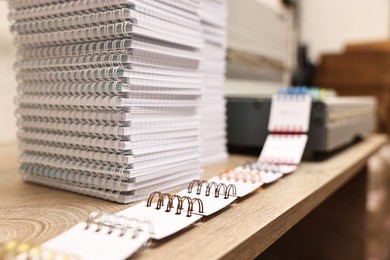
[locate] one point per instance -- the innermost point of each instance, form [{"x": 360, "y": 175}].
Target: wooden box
[{"x": 361, "y": 70}]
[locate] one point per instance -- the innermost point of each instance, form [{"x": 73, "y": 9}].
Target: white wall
[
  {"x": 7, "y": 79},
  {"x": 327, "y": 25}
]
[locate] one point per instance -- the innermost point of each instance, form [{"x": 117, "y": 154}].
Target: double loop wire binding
[
  {"x": 69, "y": 8},
  {"x": 21, "y": 250},
  {"x": 103, "y": 47},
  {"x": 264, "y": 167},
  {"x": 73, "y": 141},
  {"x": 241, "y": 174},
  {"x": 94, "y": 33},
  {"x": 51, "y": 101},
  {"x": 79, "y": 49},
  {"x": 24, "y": 4},
  {"x": 74, "y": 76},
  {"x": 181, "y": 200},
  {"x": 79, "y": 154},
  {"x": 71, "y": 22},
  {"x": 92, "y": 129},
  {"x": 102, "y": 117},
  {"x": 71, "y": 63},
  {"x": 99, "y": 220},
  {"x": 66, "y": 164},
  {"x": 212, "y": 185},
  {"x": 111, "y": 183}
]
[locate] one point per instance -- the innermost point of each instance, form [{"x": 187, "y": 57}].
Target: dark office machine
[{"x": 334, "y": 122}]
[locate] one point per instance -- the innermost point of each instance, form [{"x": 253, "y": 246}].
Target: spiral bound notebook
[
  {"x": 108, "y": 237},
  {"x": 120, "y": 235},
  {"x": 212, "y": 110},
  {"x": 108, "y": 94},
  {"x": 160, "y": 216},
  {"x": 164, "y": 214},
  {"x": 288, "y": 124}
]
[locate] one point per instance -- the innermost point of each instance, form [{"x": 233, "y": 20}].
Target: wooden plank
[
  {"x": 336, "y": 229},
  {"x": 357, "y": 61},
  {"x": 363, "y": 69},
  {"x": 374, "y": 46},
  {"x": 34, "y": 213}
]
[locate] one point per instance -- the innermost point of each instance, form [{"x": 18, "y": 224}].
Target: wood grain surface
[
  {"x": 35, "y": 213},
  {"x": 336, "y": 229}
]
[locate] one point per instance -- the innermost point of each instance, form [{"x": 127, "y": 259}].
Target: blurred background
[
  {"x": 324, "y": 26},
  {"x": 344, "y": 46}
]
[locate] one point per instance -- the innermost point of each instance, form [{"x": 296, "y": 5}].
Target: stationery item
[
  {"x": 270, "y": 172},
  {"x": 212, "y": 109},
  {"x": 214, "y": 195},
  {"x": 109, "y": 181},
  {"x": 57, "y": 9},
  {"x": 135, "y": 44},
  {"x": 163, "y": 214},
  {"x": 283, "y": 149},
  {"x": 169, "y": 214},
  {"x": 103, "y": 143},
  {"x": 141, "y": 171},
  {"x": 270, "y": 177},
  {"x": 288, "y": 123},
  {"x": 108, "y": 94},
  {"x": 106, "y": 17},
  {"x": 103, "y": 236},
  {"x": 107, "y": 186},
  {"x": 271, "y": 167},
  {"x": 290, "y": 112},
  {"x": 244, "y": 180},
  {"x": 122, "y": 158},
  {"x": 23, "y": 251}
]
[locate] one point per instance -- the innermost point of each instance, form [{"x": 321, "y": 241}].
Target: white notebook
[
  {"x": 212, "y": 110},
  {"x": 108, "y": 94}
]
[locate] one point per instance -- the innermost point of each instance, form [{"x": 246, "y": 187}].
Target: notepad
[
  {"x": 109, "y": 94},
  {"x": 105, "y": 236},
  {"x": 288, "y": 124},
  {"x": 212, "y": 110}
]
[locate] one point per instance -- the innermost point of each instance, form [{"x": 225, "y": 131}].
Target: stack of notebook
[
  {"x": 108, "y": 94},
  {"x": 213, "y": 14}
]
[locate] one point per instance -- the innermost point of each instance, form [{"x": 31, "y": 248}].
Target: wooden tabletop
[{"x": 35, "y": 213}]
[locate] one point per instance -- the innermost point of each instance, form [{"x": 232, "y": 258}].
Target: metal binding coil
[
  {"x": 228, "y": 190},
  {"x": 71, "y": 22},
  {"x": 83, "y": 155},
  {"x": 266, "y": 167},
  {"x": 56, "y": 124},
  {"x": 241, "y": 174},
  {"x": 100, "y": 219},
  {"x": 161, "y": 197}
]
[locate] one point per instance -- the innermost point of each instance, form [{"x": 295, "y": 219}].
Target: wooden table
[{"x": 332, "y": 191}]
